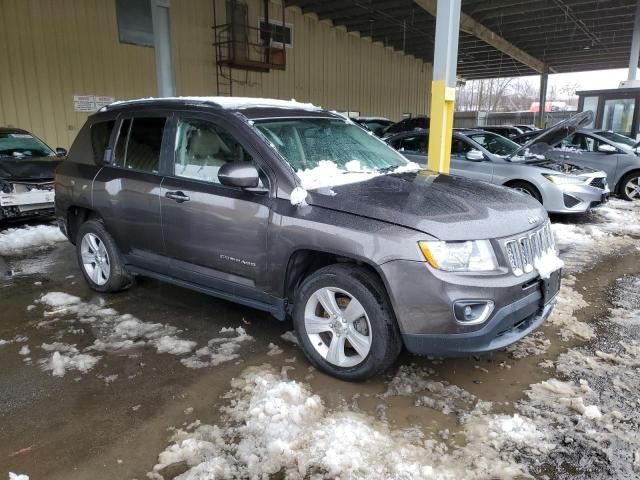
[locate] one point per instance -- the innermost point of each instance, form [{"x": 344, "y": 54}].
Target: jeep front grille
[{"x": 523, "y": 251}]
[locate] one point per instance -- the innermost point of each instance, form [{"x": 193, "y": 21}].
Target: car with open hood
[
  {"x": 561, "y": 187},
  {"x": 287, "y": 208},
  {"x": 27, "y": 167},
  {"x": 611, "y": 152},
  {"x": 375, "y": 124}
]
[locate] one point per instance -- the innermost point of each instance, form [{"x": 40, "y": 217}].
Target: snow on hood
[{"x": 231, "y": 103}]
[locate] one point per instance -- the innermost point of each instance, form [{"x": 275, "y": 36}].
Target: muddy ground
[{"x": 112, "y": 420}]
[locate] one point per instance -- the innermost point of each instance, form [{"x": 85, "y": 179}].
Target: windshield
[
  {"x": 617, "y": 138},
  {"x": 23, "y": 145},
  {"x": 305, "y": 142},
  {"x": 494, "y": 143}
]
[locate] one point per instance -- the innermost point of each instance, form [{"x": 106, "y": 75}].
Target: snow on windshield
[{"x": 327, "y": 152}]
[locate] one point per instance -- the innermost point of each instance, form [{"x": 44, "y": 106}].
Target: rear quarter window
[{"x": 100, "y": 135}]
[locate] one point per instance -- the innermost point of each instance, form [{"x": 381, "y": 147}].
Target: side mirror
[
  {"x": 606, "y": 148},
  {"x": 239, "y": 174},
  {"x": 474, "y": 156},
  {"x": 61, "y": 152}
]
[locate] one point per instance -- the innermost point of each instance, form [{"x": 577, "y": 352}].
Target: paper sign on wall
[{"x": 90, "y": 103}]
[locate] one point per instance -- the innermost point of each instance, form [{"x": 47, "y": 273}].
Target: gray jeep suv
[{"x": 296, "y": 211}]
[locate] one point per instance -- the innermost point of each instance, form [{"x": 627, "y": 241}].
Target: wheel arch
[
  {"x": 305, "y": 261},
  {"x": 623, "y": 178},
  {"x": 75, "y": 217},
  {"x": 511, "y": 183}
]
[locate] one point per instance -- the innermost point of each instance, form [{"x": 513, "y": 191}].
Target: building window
[
  {"x": 135, "y": 26},
  {"x": 278, "y": 33}
]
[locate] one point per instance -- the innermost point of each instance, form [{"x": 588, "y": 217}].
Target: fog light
[{"x": 472, "y": 312}]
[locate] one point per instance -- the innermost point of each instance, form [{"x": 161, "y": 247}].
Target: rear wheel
[
  {"x": 345, "y": 324},
  {"x": 630, "y": 187},
  {"x": 99, "y": 259},
  {"x": 527, "y": 189}
]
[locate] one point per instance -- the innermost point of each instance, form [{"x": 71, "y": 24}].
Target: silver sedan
[{"x": 560, "y": 187}]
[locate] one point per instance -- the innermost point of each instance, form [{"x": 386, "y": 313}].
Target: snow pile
[
  {"x": 298, "y": 196},
  {"x": 219, "y": 350},
  {"x": 592, "y": 414},
  {"x": 113, "y": 331},
  {"x": 411, "y": 380},
  {"x": 18, "y": 476},
  {"x": 548, "y": 263},
  {"x": 15, "y": 241},
  {"x": 569, "y": 301},
  {"x": 533, "y": 344},
  {"x": 275, "y": 426},
  {"x": 66, "y": 357},
  {"x": 328, "y": 174}
]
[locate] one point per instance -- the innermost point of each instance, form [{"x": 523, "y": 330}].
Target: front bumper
[
  {"x": 26, "y": 200},
  {"x": 578, "y": 198},
  {"x": 507, "y": 326},
  {"x": 423, "y": 300}
]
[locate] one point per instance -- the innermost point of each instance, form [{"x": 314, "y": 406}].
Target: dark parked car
[
  {"x": 527, "y": 136},
  {"x": 526, "y": 128},
  {"x": 508, "y": 131},
  {"x": 27, "y": 168},
  {"x": 407, "y": 125},
  {"x": 376, "y": 124},
  {"x": 207, "y": 194}
]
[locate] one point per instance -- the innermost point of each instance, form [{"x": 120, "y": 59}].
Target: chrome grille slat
[{"x": 523, "y": 251}]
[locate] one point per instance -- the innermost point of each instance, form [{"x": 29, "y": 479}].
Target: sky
[{"x": 593, "y": 80}]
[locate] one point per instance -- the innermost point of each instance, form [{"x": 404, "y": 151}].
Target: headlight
[
  {"x": 563, "y": 179},
  {"x": 469, "y": 256}
]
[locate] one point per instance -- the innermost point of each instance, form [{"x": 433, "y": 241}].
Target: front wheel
[
  {"x": 99, "y": 259},
  {"x": 345, "y": 324},
  {"x": 631, "y": 187},
  {"x": 527, "y": 189}
]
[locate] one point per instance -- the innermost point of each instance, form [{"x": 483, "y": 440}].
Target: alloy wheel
[
  {"x": 338, "y": 327},
  {"x": 632, "y": 188},
  {"x": 95, "y": 259}
]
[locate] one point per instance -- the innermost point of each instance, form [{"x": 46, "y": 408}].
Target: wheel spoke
[
  {"x": 336, "y": 354},
  {"x": 92, "y": 240},
  {"x": 359, "y": 342},
  {"x": 87, "y": 258},
  {"x": 327, "y": 299},
  {"x": 633, "y": 193},
  {"x": 315, "y": 324},
  {"x": 354, "y": 311},
  {"x": 97, "y": 274}
]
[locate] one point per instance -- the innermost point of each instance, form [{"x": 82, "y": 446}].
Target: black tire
[
  {"x": 630, "y": 177},
  {"x": 118, "y": 278},
  {"x": 366, "y": 287},
  {"x": 526, "y": 188}
]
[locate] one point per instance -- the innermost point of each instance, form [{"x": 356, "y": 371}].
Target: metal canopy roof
[{"x": 567, "y": 35}]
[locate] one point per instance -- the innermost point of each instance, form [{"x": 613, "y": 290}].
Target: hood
[
  {"x": 28, "y": 168},
  {"x": 443, "y": 206},
  {"x": 553, "y": 135}
]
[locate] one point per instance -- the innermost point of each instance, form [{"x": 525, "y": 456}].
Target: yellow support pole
[
  {"x": 441, "y": 126},
  {"x": 443, "y": 91}
]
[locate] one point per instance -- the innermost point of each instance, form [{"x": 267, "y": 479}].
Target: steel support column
[
  {"x": 542, "y": 101},
  {"x": 443, "y": 86},
  {"x": 634, "y": 56},
  {"x": 162, "y": 46}
]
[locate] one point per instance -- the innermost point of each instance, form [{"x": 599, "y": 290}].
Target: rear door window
[
  {"x": 100, "y": 135},
  {"x": 139, "y": 144}
]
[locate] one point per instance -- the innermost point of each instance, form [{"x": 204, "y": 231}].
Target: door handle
[{"x": 177, "y": 196}]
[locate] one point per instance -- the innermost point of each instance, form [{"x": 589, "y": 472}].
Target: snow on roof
[{"x": 230, "y": 103}]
